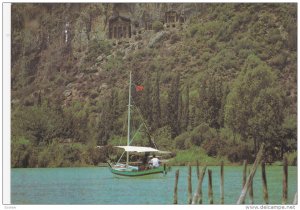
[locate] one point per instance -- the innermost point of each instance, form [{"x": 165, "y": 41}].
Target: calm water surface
[{"x": 98, "y": 186}]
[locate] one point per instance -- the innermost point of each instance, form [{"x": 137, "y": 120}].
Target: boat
[
  {"x": 129, "y": 170},
  {"x": 132, "y": 170}
]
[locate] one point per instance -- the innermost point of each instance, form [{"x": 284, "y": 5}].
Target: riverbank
[{"x": 182, "y": 158}]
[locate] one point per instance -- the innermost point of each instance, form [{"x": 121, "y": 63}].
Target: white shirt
[{"x": 155, "y": 162}]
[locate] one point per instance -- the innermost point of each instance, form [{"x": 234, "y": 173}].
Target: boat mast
[{"x": 128, "y": 128}]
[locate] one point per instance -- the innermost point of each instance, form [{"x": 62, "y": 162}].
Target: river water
[{"x": 98, "y": 186}]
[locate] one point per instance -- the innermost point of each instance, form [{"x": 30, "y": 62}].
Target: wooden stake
[
  {"x": 197, "y": 199},
  {"x": 251, "y": 175},
  {"x": 264, "y": 182},
  {"x": 222, "y": 182},
  {"x": 175, "y": 188},
  {"x": 210, "y": 190},
  {"x": 295, "y": 202},
  {"x": 251, "y": 191},
  {"x": 244, "y": 172},
  {"x": 190, "y": 197},
  {"x": 244, "y": 175},
  {"x": 198, "y": 171},
  {"x": 285, "y": 181}
]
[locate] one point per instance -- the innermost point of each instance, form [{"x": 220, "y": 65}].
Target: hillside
[{"x": 222, "y": 82}]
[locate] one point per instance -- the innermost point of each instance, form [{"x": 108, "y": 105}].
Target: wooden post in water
[
  {"x": 222, "y": 182},
  {"x": 197, "y": 199},
  {"x": 244, "y": 175},
  {"x": 244, "y": 172},
  {"x": 285, "y": 181},
  {"x": 210, "y": 190},
  {"x": 197, "y": 169},
  {"x": 264, "y": 182},
  {"x": 251, "y": 175},
  {"x": 175, "y": 188},
  {"x": 190, "y": 197},
  {"x": 295, "y": 202},
  {"x": 251, "y": 191}
]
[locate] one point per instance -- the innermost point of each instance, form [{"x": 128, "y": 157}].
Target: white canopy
[{"x": 138, "y": 149}]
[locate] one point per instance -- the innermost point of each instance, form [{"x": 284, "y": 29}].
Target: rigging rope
[
  {"x": 143, "y": 121},
  {"x": 120, "y": 157},
  {"x": 135, "y": 134}
]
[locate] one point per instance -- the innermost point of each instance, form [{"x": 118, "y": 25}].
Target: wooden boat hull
[{"x": 158, "y": 170}]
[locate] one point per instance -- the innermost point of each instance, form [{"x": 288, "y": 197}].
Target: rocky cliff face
[
  {"x": 62, "y": 50},
  {"x": 57, "y": 38}
]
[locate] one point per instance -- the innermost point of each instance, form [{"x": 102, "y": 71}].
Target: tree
[
  {"x": 193, "y": 118},
  {"x": 21, "y": 148},
  {"x": 254, "y": 107},
  {"x": 186, "y": 114},
  {"x": 87, "y": 17},
  {"x": 147, "y": 104},
  {"x": 103, "y": 126},
  {"x": 289, "y": 134},
  {"x": 266, "y": 123},
  {"x": 156, "y": 104},
  {"x": 211, "y": 99},
  {"x": 180, "y": 113},
  {"x": 157, "y": 26},
  {"x": 108, "y": 125},
  {"x": 113, "y": 110},
  {"x": 173, "y": 106},
  {"x": 78, "y": 118},
  {"x": 38, "y": 124}
]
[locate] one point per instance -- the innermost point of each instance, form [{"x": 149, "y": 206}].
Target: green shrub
[
  {"x": 174, "y": 38},
  {"x": 244, "y": 53},
  {"x": 166, "y": 78},
  {"x": 227, "y": 135},
  {"x": 193, "y": 30},
  {"x": 274, "y": 36},
  {"x": 279, "y": 60},
  {"x": 193, "y": 50},
  {"x": 44, "y": 158},
  {"x": 180, "y": 141},
  {"x": 292, "y": 36},
  {"x": 212, "y": 146},
  {"x": 206, "y": 56},
  {"x": 184, "y": 58},
  {"x": 202, "y": 133},
  {"x": 143, "y": 53},
  {"x": 292, "y": 158},
  {"x": 212, "y": 43},
  {"x": 96, "y": 48},
  {"x": 73, "y": 152},
  {"x": 223, "y": 62},
  {"x": 237, "y": 153},
  {"x": 113, "y": 64},
  {"x": 183, "y": 157},
  {"x": 94, "y": 94},
  {"x": 244, "y": 43},
  {"x": 162, "y": 138},
  {"x": 21, "y": 149},
  {"x": 157, "y": 26}
]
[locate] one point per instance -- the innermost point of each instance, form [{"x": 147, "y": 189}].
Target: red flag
[{"x": 139, "y": 88}]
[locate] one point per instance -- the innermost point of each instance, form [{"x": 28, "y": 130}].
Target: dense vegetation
[{"x": 218, "y": 86}]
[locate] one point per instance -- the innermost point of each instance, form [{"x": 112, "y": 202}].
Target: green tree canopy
[{"x": 254, "y": 107}]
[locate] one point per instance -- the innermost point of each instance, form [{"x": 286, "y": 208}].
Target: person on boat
[
  {"x": 144, "y": 160},
  {"x": 154, "y": 162}
]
